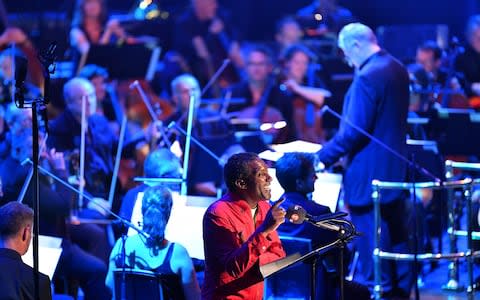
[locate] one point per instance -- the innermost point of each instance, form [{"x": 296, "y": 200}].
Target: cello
[{"x": 269, "y": 119}]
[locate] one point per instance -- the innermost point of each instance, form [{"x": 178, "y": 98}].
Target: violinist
[
  {"x": 214, "y": 135},
  {"x": 205, "y": 38},
  {"x": 263, "y": 98},
  {"x": 430, "y": 78},
  {"x": 65, "y": 135},
  {"x": 288, "y": 32},
  {"x": 306, "y": 91},
  {"x": 84, "y": 247},
  {"x": 90, "y": 25},
  {"x": 107, "y": 104}
]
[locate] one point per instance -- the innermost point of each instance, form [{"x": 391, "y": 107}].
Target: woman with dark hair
[
  {"x": 306, "y": 90},
  {"x": 90, "y": 26},
  {"x": 155, "y": 253}
]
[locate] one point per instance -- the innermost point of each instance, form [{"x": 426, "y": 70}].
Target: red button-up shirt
[{"x": 234, "y": 250}]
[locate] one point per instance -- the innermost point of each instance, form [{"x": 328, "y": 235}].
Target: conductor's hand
[{"x": 275, "y": 217}]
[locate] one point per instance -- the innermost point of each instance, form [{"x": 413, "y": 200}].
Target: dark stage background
[{"x": 256, "y": 18}]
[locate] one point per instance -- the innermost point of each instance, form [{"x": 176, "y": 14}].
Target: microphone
[
  {"x": 297, "y": 215},
  {"x": 20, "y": 69}
]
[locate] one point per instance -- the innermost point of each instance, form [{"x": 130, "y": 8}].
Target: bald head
[
  {"x": 74, "y": 91},
  {"x": 182, "y": 87},
  {"x": 358, "y": 42}
]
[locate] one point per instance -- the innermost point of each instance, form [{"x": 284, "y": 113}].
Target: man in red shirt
[{"x": 239, "y": 232}]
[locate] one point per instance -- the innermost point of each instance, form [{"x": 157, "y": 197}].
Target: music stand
[
  {"x": 311, "y": 258},
  {"x": 142, "y": 65},
  {"x": 456, "y": 131}
]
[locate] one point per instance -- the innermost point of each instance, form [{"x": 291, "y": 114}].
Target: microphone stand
[
  {"x": 345, "y": 236},
  {"x": 413, "y": 166},
  {"x": 47, "y": 60},
  {"x": 415, "y": 226}
]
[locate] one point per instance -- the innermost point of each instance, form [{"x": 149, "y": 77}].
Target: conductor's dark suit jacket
[
  {"x": 377, "y": 102},
  {"x": 16, "y": 278}
]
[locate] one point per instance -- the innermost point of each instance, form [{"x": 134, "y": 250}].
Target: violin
[
  {"x": 134, "y": 96},
  {"x": 136, "y": 109}
]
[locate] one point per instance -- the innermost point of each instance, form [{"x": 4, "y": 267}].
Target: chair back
[{"x": 137, "y": 284}]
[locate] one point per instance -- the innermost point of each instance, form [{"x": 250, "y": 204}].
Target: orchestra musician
[
  {"x": 100, "y": 142},
  {"x": 432, "y": 82},
  {"x": 263, "y": 98},
  {"x": 287, "y": 32},
  {"x": 107, "y": 104},
  {"x": 205, "y": 38},
  {"x": 306, "y": 91},
  {"x": 468, "y": 62},
  {"x": 84, "y": 247},
  {"x": 214, "y": 134},
  {"x": 90, "y": 25}
]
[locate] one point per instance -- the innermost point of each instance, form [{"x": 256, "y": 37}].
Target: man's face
[
  {"x": 258, "y": 67},
  {"x": 182, "y": 94},
  {"x": 307, "y": 184},
  {"x": 290, "y": 34},
  {"x": 475, "y": 40},
  {"x": 79, "y": 92},
  {"x": 349, "y": 49},
  {"x": 426, "y": 58},
  {"x": 92, "y": 8},
  {"x": 100, "y": 87},
  {"x": 205, "y": 9},
  {"x": 258, "y": 186},
  {"x": 6, "y": 67}
]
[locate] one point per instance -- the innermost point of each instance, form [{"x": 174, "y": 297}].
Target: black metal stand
[
  {"x": 47, "y": 60},
  {"x": 36, "y": 199},
  {"x": 413, "y": 197},
  {"x": 346, "y": 233}
]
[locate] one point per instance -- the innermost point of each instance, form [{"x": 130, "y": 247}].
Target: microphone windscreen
[
  {"x": 296, "y": 214},
  {"x": 20, "y": 70}
]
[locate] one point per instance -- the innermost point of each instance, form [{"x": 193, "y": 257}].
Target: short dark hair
[
  {"x": 431, "y": 46},
  {"x": 249, "y": 49},
  {"x": 290, "y": 51},
  {"x": 13, "y": 217},
  {"x": 284, "y": 21},
  {"x": 293, "y": 166},
  {"x": 238, "y": 167}
]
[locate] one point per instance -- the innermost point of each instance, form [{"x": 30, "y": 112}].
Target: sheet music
[
  {"x": 49, "y": 252},
  {"x": 185, "y": 225},
  {"x": 280, "y": 149}
]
